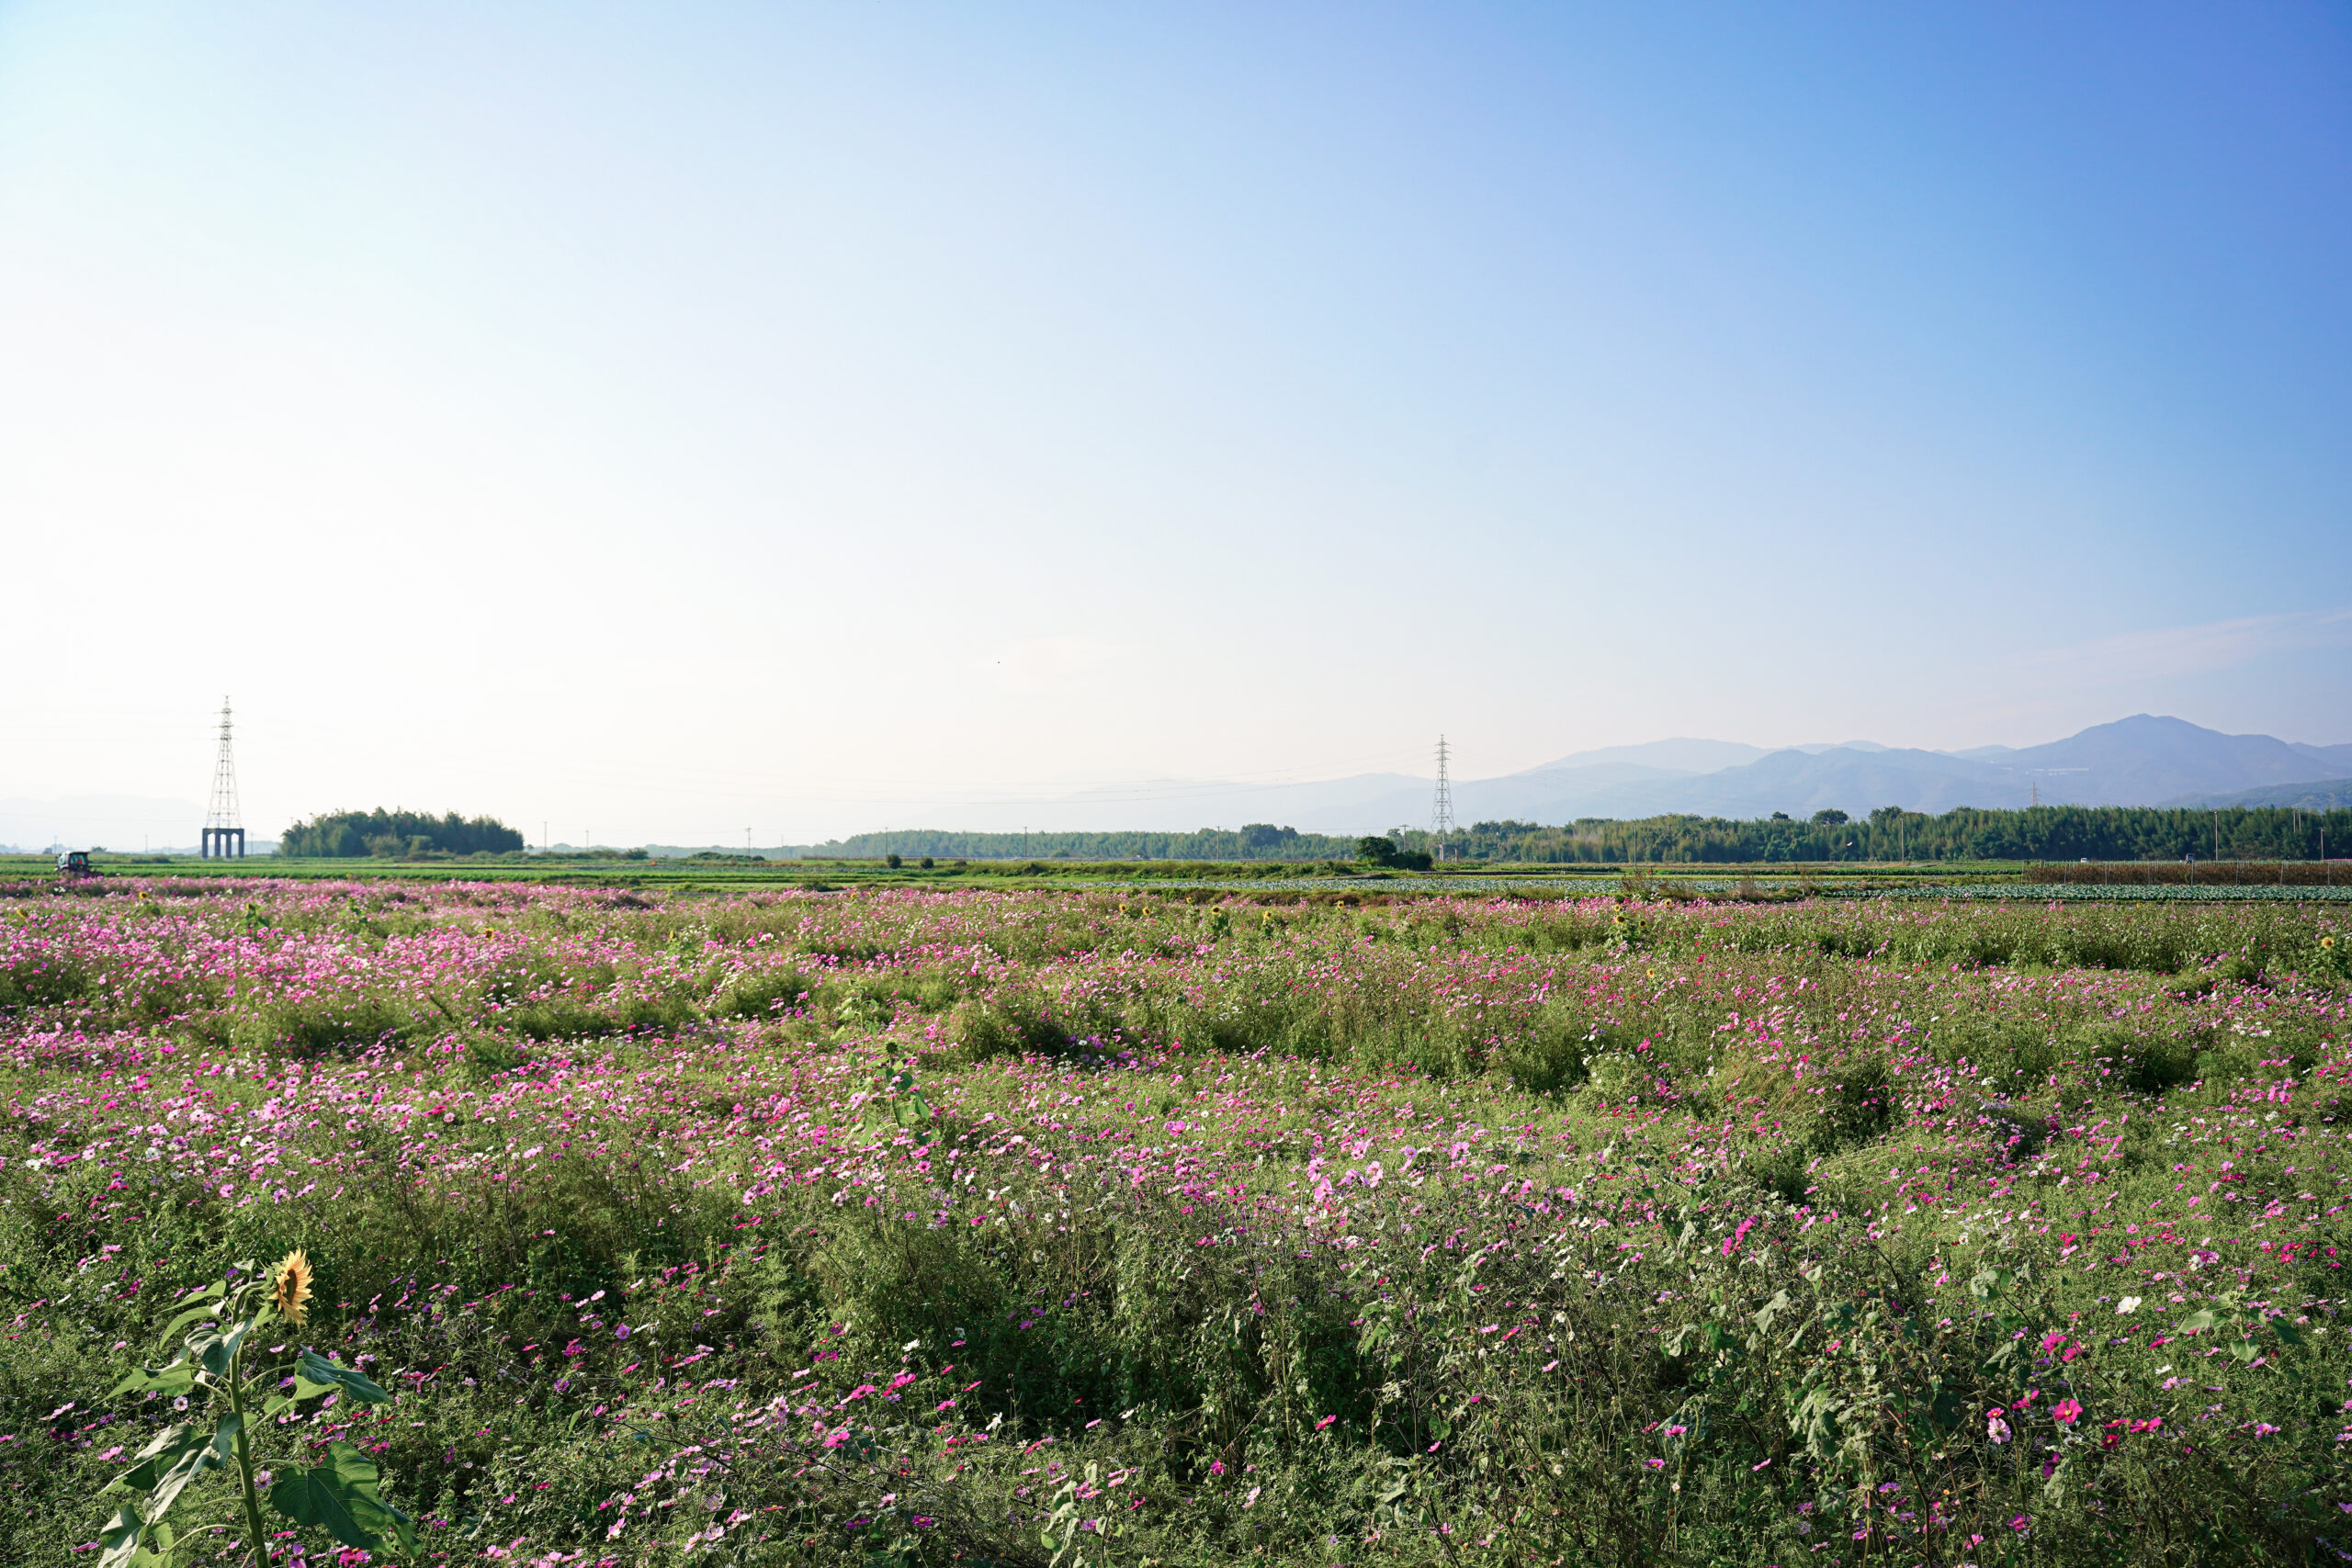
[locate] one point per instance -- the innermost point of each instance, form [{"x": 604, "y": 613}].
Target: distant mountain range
[
  {"x": 2140, "y": 761},
  {"x": 2329, "y": 794}
]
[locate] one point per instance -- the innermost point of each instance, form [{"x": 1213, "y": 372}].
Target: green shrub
[
  {"x": 1005, "y": 1025},
  {"x": 43, "y": 978},
  {"x": 758, "y": 995},
  {"x": 488, "y": 1056},
  {"x": 331, "y": 1025},
  {"x": 1549, "y": 1055}
]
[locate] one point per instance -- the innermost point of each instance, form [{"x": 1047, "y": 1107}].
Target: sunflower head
[
  {"x": 2327, "y": 942},
  {"x": 290, "y": 1285}
]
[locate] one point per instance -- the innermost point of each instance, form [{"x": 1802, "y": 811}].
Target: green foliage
[
  {"x": 761, "y": 994},
  {"x": 1382, "y": 851},
  {"x": 341, "y": 1497},
  {"x": 345, "y": 834},
  {"x": 1254, "y": 842},
  {"x": 1715, "y": 1275},
  {"x": 307, "y": 1028},
  {"x": 234, "y": 1400},
  {"x": 2054, "y": 833}
]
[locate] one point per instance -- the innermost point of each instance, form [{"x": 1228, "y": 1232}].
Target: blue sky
[{"x": 678, "y": 418}]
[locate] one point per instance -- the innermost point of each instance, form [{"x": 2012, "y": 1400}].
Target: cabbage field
[{"x": 1188, "y": 1227}]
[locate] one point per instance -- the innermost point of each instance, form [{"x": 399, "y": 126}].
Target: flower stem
[{"x": 246, "y": 1461}]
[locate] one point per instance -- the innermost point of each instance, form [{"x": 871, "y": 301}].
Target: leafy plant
[{"x": 217, "y": 1366}]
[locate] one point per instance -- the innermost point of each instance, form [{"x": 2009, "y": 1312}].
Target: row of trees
[
  {"x": 1891, "y": 833},
  {"x": 348, "y": 834},
  {"x": 1256, "y": 840}
]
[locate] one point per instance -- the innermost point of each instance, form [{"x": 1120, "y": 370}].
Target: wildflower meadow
[{"x": 533, "y": 1225}]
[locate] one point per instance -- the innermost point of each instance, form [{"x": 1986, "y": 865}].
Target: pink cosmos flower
[{"x": 2067, "y": 1412}]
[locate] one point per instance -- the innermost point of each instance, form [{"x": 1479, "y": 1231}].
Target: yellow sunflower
[{"x": 290, "y": 1280}]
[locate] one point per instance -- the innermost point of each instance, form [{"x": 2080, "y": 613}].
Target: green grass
[
  {"x": 1723, "y": 1228},
  {"x": 686, "y": 875}
]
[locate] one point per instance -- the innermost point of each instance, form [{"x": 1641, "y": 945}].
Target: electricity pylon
[
  {"x": 1442, "y": 814},
  {"x": 222, "y": 822}
]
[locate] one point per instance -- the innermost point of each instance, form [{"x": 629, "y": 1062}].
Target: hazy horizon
[
  {"x": 812, "y": 419},
  {"x": 1373, "y": 803}
]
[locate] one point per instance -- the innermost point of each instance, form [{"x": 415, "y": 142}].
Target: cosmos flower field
[{"x": 1062, "y": 1227}]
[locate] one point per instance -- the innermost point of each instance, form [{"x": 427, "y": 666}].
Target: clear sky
[{"x": 676, "y": 418}]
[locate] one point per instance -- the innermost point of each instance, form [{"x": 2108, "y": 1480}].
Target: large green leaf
[
  {"x": 196, "y": 1314},
  {"x": 323, "y": 1372},
  {"x": 340, "y": 1497},
  {"x": 177, "y": 1378},
  {"x": 1815, "y": 1422},
  {"x": 179, "y": 1455},
  {"x": 160, "y": 1452},
  {"x": 215, "y": 1454},
  {"x": 216, "y": 1350},
  {"x": 118, "y": 1543}
]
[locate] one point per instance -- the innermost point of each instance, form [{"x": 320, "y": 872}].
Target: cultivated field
[{"x": 1111, "y": 1227}]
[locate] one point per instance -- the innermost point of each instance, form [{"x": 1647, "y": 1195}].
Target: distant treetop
[{"x": 346, "y": 834}]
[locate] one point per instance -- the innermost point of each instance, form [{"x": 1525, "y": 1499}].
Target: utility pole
[
  {"x": 1442, "y": 811},
  {"x": 223, "y": 823}
]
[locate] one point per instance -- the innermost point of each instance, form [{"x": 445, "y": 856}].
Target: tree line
[
  {"x": 349, "y": 834},
  {"x": 1255, "y": 840},
  {"x": 1891, "y": 833}
]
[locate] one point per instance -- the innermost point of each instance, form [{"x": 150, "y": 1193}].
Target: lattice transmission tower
[
  {"x": 223, "y": 824},
  {"x": 1441, "y": 813}
]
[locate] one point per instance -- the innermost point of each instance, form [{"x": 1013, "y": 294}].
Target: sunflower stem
[{"x": 246, "y": 1461}]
